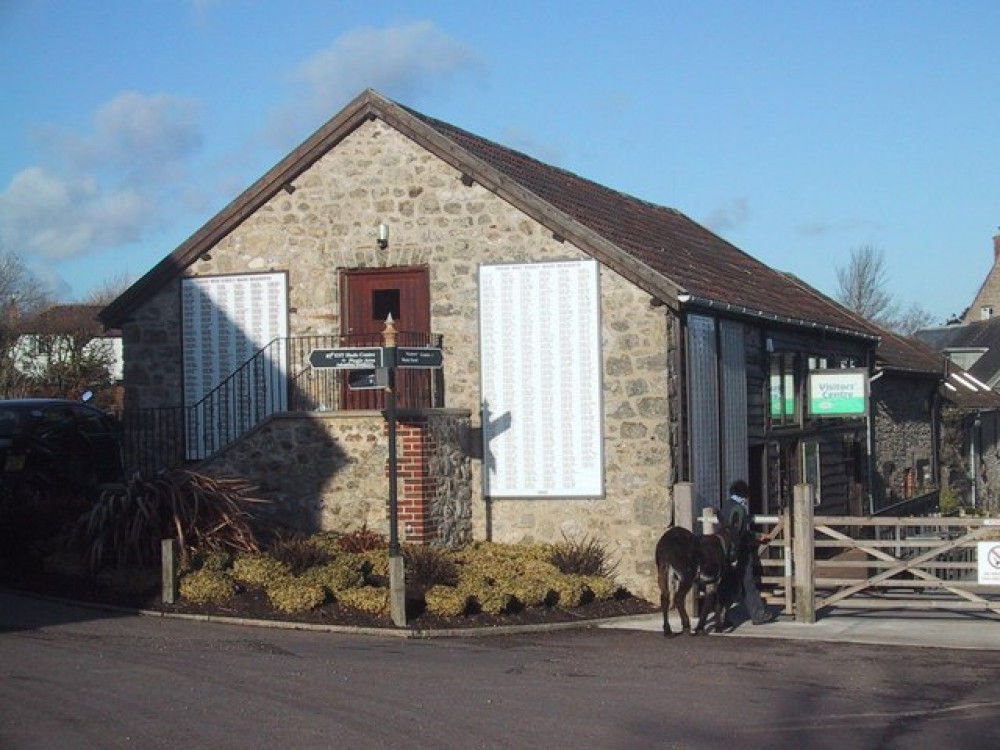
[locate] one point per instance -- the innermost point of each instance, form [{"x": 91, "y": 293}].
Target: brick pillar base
[{"x": 416, "y": 488}]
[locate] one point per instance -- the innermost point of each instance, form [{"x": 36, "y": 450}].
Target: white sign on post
[
  {"x": 989, "y": 562},
  {"x": 540, "y": 350}
]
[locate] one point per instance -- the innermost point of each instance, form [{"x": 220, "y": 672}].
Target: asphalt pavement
[{"x": 931, "y": 629}]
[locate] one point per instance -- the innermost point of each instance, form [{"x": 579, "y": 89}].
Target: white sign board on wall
[
  {"x": 540, "y": 365},
  {"x": 226, "y": 321}
]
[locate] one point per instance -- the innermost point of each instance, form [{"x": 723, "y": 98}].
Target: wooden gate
[{"x": 911, "y": 563}]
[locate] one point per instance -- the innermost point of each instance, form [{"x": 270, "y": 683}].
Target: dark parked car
[{"x": 66, "y": 443}]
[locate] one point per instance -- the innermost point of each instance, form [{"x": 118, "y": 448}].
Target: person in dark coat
[{"x": 737, "y": 517}]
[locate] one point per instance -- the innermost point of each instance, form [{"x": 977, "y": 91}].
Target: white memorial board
[
  {"x": 226, "y": 321},
  {"x": 540, "y": 361}
]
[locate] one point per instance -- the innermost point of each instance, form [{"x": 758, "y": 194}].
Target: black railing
[{"x": 278, "y": 378}]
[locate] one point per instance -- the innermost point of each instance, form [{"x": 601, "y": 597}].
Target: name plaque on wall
[
  {"x": 226, "y": 321},
  {"x": 540, "y": 365}
]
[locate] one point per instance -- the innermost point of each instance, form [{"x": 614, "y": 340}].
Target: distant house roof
[
  {"x": 982, "y": 335},
  {"x": 968, "y": 392},
  {"x": 659, "y": 249},
  {"x": 67, "y": 319}
]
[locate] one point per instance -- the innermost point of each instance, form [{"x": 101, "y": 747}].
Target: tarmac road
[{"x": 78, "y": 678}]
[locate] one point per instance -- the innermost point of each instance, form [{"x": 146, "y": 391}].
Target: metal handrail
[{"x": 278, "y": 378}]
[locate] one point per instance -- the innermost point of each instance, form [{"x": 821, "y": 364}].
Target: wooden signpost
[{"x": 383, "y": 361}]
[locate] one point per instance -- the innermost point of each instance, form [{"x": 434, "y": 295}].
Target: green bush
[
  {"x": 493, "y": 601},
  {"x": 296, "y": 595},
  {"x": 446, "y": 601},
  {"x": 260, "y": 570},
  {"x": 327, "y": 542},
  {"x": 207, "y": 586},
  {"x": 570, "y": 590},
  {"x": 366, "y": 599},
  {"x": 602, "y": 589},
  {"x": 344, "y": 573},
  {"x": 948, "y": 501},
  {"x": 375, "y": 563}
]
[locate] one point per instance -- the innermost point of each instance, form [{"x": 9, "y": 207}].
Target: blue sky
[{"x": 796, "y": 130}]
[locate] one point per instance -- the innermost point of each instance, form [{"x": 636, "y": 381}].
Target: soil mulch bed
[{"x": 253, "y": 605}]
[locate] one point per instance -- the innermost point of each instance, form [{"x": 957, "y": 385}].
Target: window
[
  {"x": 385, "y": 302},
  {"x": 811, "y": 469},
  {"x": 783, "y": 389}
]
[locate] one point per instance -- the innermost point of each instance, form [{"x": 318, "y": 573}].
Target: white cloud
[
  {"x": 731, "y": 216},
  {"x": 56, "y": 217},
  {"x": 402, "y": 62},
  {"x": 141, "y": 137},
  {"x": 824, "y": 228},
  {"x": 109, "y": 184}
]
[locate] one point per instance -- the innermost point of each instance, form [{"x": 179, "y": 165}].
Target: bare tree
[
  {"x": 862, "y": 287},
  {"x": 20, "y": 290},
  {"x": 108, "y": 290},
  {"x": 21, "y": 295},
  {"x": 862, "y": 284}
]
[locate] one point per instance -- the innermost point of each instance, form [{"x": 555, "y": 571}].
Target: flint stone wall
[{"x": 377, "y": 175}]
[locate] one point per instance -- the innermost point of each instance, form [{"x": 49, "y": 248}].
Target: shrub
[
  {"x": 338, "y": 576},
  {"x": 533, "y": 592},
  {"x": 66, "y": 563},
  {"x": 298, "y": 551},
  {"x": 296, "y": 594},
  {"x": 260, "y": 570},
  {"x": 446, "y": 601},
  {"x": 570, "y": 590},
  {"x": 207, "y": 587},
  {"x": 363, "y": 540},
  {"x": 429, "y": 566},
  {"x": 366, "y": 599},
  {"x": 130, "y": 580},
  {"x": 327, "y": 542},
  {"x": 216, "y": 560},
  {"x": 602, "y": 589},
  {"x": 375, "y": 563},
  {"x": 948, "y": 501},
  {"x": 125, "y": 526},
  {"x": 493, "y": 601},
  {"x": 583, "y": 557}
]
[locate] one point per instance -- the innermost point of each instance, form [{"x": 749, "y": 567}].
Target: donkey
[
  {"x": 684, "y": 560},
  {"x": 717, "y": 577}
]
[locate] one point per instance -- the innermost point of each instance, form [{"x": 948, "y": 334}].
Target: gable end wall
[{"x": 328, "y": 224}]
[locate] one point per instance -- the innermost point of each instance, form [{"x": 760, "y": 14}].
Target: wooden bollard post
[
  {"x": 685, "y": 518},
  {"x": 168, "y": 558},
  {"x": 684, "y": 505},
  {"x": 803, "y": 554}
]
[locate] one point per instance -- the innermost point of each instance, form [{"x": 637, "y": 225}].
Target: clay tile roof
[
  {"x": 658, "y": 248},
  {"x": 699, "y": 262}
]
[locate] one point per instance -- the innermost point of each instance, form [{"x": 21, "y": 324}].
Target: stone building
[
  {"x": 601, "y": 355},
  {"x": 986, "y": 303}
]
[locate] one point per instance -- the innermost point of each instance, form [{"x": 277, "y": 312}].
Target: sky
[{"x": 798, "y": 131}]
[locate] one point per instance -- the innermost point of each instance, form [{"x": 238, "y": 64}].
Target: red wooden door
[{"x": 368, "y": 297}]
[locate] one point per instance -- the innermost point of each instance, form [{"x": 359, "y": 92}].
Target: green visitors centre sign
[{"x": 838, "y": 393}]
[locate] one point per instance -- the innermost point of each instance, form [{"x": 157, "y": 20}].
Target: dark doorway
[{"x": 368, "y": 297}]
